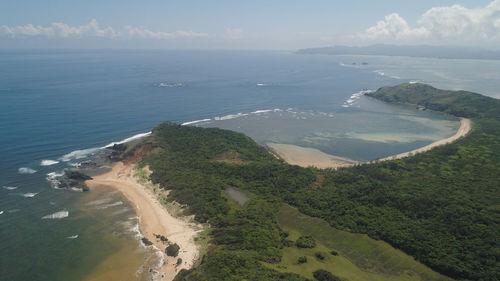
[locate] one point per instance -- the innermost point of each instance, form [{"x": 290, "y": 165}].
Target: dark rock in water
[
  {"x": 116, "y": 151},
  {"x": 76, "y": 175},
  {"x": 73, "y": 179},
  {"x": 146, "y": 241},
  {"x": 172, "y": 250},
  {"x": 88, "y": 165},
  {"x": 118, "y": 147}
]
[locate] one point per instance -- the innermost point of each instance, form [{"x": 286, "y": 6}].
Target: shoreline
[
  {"x": 311, "y": 157},
  {"x": 154, "y": 219}
]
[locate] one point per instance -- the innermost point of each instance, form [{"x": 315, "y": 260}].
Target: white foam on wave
[
  {"x": 263, "y": 84},
  {"x": 132, "y": 138},
  {"x": 56, "y": 215},
  {"x": 230, "y": 116},
  {"x": 170, "y": 85},
  {"x": 354, "y": 97},
  {"x": 414, "y": 82},
  {"x": 53, "y": 179},
  {"x": 48, "y": 162},
  {"x": 120, "y": 211},
  {"x": 72, "y": 236},
  {"x": 195, "y": 122},
  {"x": 1, "y": 212},
  {"x": 30, "y": 194},
  {"x": 118, "y": 203},
  {"x": 9, "y": 187},
  {"x": 24, "y": 170},
  {"x": 262, "y": 111},
  {"x": 99, "y": 202},
  {"x": 78, "y": 154},
  {"x": 379, "y": 72}
]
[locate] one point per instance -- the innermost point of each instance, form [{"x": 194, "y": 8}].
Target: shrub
[
  {"x": 320, "y": 256},
  {"x": 323, "y": 275},
  {"x": 288, "y": 243},
  {"x": 302, "y": 259},
  {"x": 305, "y": 242},
  {"x": 335, "y": 253}
]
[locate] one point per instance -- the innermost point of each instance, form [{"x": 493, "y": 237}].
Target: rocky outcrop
[
  {"x": 172, "y": 250},
  {"x": 73, "y": 179},
  {"x": 117, "y": 151}
]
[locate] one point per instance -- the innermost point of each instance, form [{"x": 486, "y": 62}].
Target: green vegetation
[
  {"x": 457, "y": 103},
  {"x": 305, "y": 242},
  {"x": 358, "y": 257},
  {"x": 441, "y": 207},
  {"x": 323, "y": 275}
]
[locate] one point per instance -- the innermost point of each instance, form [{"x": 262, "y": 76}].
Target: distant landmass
[{"x": 422, "y": 51}]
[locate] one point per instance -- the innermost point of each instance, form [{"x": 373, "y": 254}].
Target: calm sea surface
[{"x": 58, "y": 108}]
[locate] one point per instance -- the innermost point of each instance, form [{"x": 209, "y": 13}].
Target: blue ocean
[{"x": 61, "y": 107}]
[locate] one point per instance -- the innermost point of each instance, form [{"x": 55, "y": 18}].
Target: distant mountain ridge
[{"x": 422, "y": 51}]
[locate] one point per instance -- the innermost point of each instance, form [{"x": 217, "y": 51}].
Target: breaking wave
[
  {"x": 354, "y": 97},
  {"x": 230, "y": 116},
  {"x": 53, "y": 179},
  {"x": 9, "y": 187},
  {"x": 132, "y": 138},
  {"x": 56, "y": 215},
  {"x": 118, "y": 203},
  {"x": 72, "y": 236},
  {"x": 78, "y": 154},
  {"x": 30, "y": 194},
  {"x": 99, "y": 202},
  {"x": 24, "y": 170},
  {"x": 48, "y": 162},
  {"x": 196, "y": 121}
]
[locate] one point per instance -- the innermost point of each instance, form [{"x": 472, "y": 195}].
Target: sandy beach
[
  {"x": 465, "y": 127},
  {"x": 310, "y": 157},
  {"x": 154, "y": 218}
]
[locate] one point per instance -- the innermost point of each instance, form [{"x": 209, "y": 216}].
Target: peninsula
[{"x": 435, "y": 211}]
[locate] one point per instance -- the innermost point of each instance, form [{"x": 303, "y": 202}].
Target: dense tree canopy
[{"x": 442, "y": 206}]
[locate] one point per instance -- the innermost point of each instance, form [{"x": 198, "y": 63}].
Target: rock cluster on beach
[{"x": 172, "y": 250}]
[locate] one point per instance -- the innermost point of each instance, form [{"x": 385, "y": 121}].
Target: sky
[{"x": 251, "y": 24}]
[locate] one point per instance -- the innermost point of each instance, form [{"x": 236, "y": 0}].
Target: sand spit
[{"x": 154, "y": 219}]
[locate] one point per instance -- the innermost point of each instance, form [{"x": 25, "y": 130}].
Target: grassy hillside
[
  {"x": 357, "y": 257},
  {"x": 441, "y": 207}
]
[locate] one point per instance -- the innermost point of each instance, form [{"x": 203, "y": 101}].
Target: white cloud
[
  {"x": 393, "y": 26},
  {"x": 233, "y": 33},
  {"x": 58, "y": 29},
  {"x": 92, "y": 29},
  {"x": 453, "y": 23},
  {"x": 139, "y": 32}
]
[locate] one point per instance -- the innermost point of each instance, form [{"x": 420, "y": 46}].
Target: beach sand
[
  {"x": 310, "y": 157},
  {"x": 154, "y": 218},
  {"x": 465, "y": 127}
]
